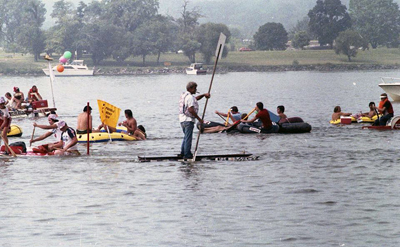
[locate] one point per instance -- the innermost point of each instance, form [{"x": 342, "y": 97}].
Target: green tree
[
  {"x": 271, "y": 36},
  {"x": 208, "y": 36},
  {"x": 377, "y": 21},
  {"x": 301, "y": 26},
  {"x": 188, "y": 24},
  {"x": 300, "y": 40},
  {"x": 327, "y": 19},
  {"x": 348, "y": 42}
]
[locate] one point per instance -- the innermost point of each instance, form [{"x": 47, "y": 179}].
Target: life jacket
[
  {"x": 33, "y": 95},
  {"x": 388, "y": 110},
  {"x": 183, "y": 109}
]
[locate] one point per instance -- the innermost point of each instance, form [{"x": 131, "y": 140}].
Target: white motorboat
[
  {"x": 196, "y": 69},
  {"x": 391, "y": 86},
  {"x": 76, "y": 68}
]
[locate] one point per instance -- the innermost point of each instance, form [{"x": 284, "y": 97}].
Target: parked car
[{"x": 245, "y": 49}]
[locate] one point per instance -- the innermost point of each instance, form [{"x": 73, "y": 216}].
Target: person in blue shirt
[{"x": 233, "y": 113}]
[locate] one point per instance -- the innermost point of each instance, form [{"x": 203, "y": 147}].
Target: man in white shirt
[{"x": 188, "y": 109}]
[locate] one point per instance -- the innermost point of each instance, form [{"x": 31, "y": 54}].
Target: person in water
[
  {"x": 233, "y": 114},
  {"x": 83, "y": 126},
  {"x": 5, "y": 122},
  {"x": 188, "y": 109},
  {"x": 34, "y": 95},
  {"x": 372, "y": 110},
  {"x": 131, "y": 125},
  {"x": 53, "y": 130},
  {"x": 386, "y": 109},
  {"x": 337, "y": 113},
  {"x": 67, "y": 144},
  {"x": 281, "y": 112}
]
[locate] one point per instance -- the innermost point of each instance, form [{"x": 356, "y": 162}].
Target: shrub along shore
[{"x": 254, "y": 61}]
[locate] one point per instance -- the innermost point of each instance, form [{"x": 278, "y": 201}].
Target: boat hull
[
  {"x": 392, "y": 89},
  {"x": 70, "y": 72}
]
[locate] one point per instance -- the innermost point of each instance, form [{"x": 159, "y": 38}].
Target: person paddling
[
  {"x": 53, "y": 130},
  {"x": 188, "y": 109},
  {"x": 263, "y": 116},
  {"x": 233, "y": 114},
  {"x": 386, "y": 109},
  {"x": 67, "y": 144}
]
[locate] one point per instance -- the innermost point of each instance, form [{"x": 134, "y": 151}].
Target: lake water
[{"x": 335, "y": 186}]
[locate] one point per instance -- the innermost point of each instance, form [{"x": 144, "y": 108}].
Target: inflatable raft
[
  {"x": 294, "y": 125},
  {"x": 15, "y": 131},
  {"x": 367, "y": 119},
  {"x": 105, "y": 137},
  {"x": 344, "y": 120}
]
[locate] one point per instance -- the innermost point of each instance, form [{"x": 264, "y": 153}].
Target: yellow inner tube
[{"x": 15, "y": 130}]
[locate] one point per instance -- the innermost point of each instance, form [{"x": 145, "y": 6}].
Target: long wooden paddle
[
  {"x": 238, "y": 121},
  {"x": 33, "y": 133},
  {"x": 11, "y": 151},
  {"x": 227, "y": 117},
  {"x": 220, "y": 46}
]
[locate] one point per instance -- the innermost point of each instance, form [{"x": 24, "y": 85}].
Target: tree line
[
  {"x": 367, "y": 22},
  {"x": 105, "y": 29}
]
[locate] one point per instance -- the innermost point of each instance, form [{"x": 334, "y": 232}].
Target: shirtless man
[
  {"x": 131, "y": 125},
  {"x": 337, "y": 113},
  {"x": 372, "y": 111},
  {"x": 82, "y": 127}
]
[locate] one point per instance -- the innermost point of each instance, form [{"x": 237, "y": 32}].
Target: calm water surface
[{"x": 335, "y": 186}]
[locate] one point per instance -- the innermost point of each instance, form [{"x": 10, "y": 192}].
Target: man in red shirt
[{"x": 263, "y": 115}]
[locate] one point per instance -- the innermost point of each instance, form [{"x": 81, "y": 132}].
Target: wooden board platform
[{"x": 217, "y": 157}]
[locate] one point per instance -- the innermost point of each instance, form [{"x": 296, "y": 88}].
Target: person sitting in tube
[{"x": 337, "y": 113}]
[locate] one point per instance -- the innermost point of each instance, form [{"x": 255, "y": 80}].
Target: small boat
[
  {"x": 391, "y": 86},
  {"x": 103, "y": 136},
  {"x": 393, "y": 124},
  {"x": 196, "y": 69},
  {"x": 76, "y": 68}
]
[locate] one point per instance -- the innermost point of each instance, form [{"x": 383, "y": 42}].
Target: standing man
[
  {"x": 386, "y": 109},
  {"x": 188, "y": 109}
]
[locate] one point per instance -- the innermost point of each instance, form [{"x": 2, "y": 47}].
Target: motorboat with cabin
[
  {"x": 196, "y": 69},
  {"x": 76, "y": 68},
  {"x": 391, "y": 86}
]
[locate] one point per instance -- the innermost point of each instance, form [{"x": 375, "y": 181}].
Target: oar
[
  {"x": 11, "y": 151},
  {"x": 220, "y": 46},
  {"x": 227, "y": 117},
  {"x": 238, "y": 121},
  {"x": 33, "y": 133},
  {"x": 221, "y": 116}
]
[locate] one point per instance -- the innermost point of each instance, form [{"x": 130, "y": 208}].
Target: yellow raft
[
  {"x": 105, "y": 137},
  {"x": 357, "y": 120},
  {"x": 15, "y": 131},
  {"x": 338, "y": 121}
]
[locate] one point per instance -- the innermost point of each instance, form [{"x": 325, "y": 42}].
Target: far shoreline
[{"x": 123, "y": 71}]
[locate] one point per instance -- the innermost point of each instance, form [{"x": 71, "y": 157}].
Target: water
[{"x": 335, "y": 186}]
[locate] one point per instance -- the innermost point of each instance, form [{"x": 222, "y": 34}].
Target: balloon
[
  {"x": 60, "y": 68},
  {"x": 67, "y": 54},
  {"x": 63, "y": 59}
]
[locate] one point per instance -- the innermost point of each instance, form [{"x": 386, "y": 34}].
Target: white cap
[
  {"x": 2, "y": 100},
  {"x": 52, "y": 116},
  {"x": 61, "y": 124}
]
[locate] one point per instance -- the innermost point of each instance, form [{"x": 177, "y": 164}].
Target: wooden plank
[{"x": 217, "y": 157}]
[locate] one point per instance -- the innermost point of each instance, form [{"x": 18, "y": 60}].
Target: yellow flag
[{"x": 109, "y": 114}]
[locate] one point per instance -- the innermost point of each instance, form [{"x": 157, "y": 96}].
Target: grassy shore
[{"x": 18, "y": 64}]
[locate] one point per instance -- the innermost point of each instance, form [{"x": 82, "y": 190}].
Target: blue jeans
[
  {"x": 383, "y": 120},
  {"x": 187, "y": 128}
]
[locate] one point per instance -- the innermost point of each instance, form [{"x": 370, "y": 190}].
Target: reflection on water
[{"x": 324, "y": 188}]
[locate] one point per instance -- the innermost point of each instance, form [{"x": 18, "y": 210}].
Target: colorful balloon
[
  {"x": 63, "y": 59},
  {"x": 60, "y": 68},
  {"x": 67, "y": 54}
]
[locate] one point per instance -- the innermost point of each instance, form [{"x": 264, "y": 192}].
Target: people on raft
[
  {"x": 188, "y": 109},
  {"x": 53, "y": 130},
  {"x": 5, "y": 122},
  {"x": 233, "y": 114},
  {"x": 280, "y": 109},
  {"x": 131, "y": 126},
  {"x": 34, "y": 95},
  {"x": 372, "y": 111},
  {"x": 85, "y": 121},
  {"x": 386, "y": 109},
  {"x": 67, "y": 144},
  {"x": 263, "y": 117},
  {"x": 18, "y": 97},
  {"x": 337, "y": 113},
  {"x": 11, "y": 103}
]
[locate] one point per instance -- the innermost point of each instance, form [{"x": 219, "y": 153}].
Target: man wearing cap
[
  {"x": 82, "y": 127},
  {"x": 386, "y": 109},
  {"x": 54, "y": 130},
  {"x": 188, "y": 108},
  {"x": 67, "y": 144},
  {"x": 5, "y": 121}
]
